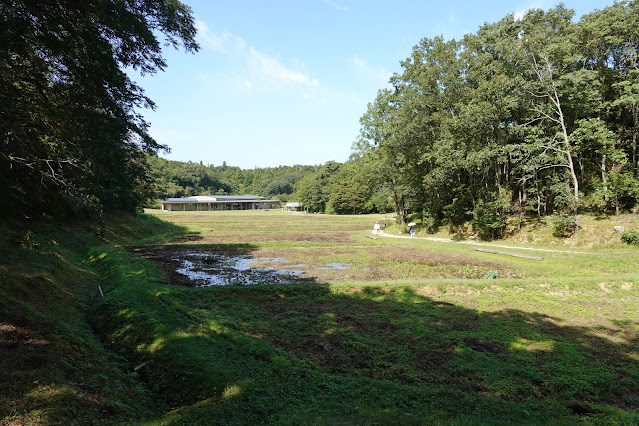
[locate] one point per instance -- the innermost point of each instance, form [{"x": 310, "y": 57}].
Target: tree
[
  {"x": 541, "y": 106},
  {"x": 313, "y": 190},
  {"x": 547, "y": 52},
  {"x": 351, "y": 189},
  {"x": 71, "y": 133}
]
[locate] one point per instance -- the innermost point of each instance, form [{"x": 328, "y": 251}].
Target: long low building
[{"x": 219, "y": 203}]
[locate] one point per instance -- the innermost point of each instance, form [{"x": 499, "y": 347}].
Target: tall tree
[
  {"x": 69, "y": 120},
  {"x": 540, "y": 106}
]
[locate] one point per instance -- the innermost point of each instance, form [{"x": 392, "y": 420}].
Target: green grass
[
  {"x": 53, "y": 369},
  {"x": 427, "y": 340},
  {"x": 414, "y": 332}
]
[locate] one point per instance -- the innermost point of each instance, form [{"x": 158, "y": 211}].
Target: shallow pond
[
  {"x": 200, "y": 268},
  {"x": 207, "y": 269}
]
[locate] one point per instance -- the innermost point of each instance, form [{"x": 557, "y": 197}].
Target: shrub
[
  {"x": 430, "y": 223},
  {"x": 563, "y": 225},
  {"x": 491, "y": 275},
  {"x": 631, "y": 237},
  {"x": 460, "y": 235},
  {"x": 489, "y": 218}
]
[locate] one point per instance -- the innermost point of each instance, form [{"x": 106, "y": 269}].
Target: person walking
[{"x": 376, "y": 227}]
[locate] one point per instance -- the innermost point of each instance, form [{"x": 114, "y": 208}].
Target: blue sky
[{"x": 284, "y": 82}]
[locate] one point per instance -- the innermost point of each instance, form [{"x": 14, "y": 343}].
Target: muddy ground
[
  {"x": 244, "y": 266},
  {"x": 201, "y": 267}
]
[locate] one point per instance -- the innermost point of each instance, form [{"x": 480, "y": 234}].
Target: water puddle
[
  {"x": 214, "y": 269},
  {"x": 336, "y": 266}
]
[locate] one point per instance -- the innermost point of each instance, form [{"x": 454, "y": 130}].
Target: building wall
[{"x": 189, "y": 207}]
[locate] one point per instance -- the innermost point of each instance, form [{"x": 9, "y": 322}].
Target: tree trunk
[
  {"x": 604, "y": 179},
  {"x": 635, "y": 119},
  {"x": 538, "y": 196},
  {"x": 635, "y": 163},
  {"x": 399, "y": 207},
  {"x": 522, "y": 198},
  {"x": 571, "y": 165}
]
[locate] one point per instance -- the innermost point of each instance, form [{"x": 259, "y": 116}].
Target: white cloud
[
  {"x": 260, "y": 67},
  {"x": 336, "y": 4},
  {"x": 359, "y": 62},
  {"x": 538, "y": 4},
  {"x": 270, "y": 69},
  {"x": 257, "y": 72},
  {"x": 519, "y": 15},
  {"x": 222, "y": 43}
]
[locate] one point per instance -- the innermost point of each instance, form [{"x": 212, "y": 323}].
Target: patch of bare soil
[
  {"x": 430, "y": 257},
  {"x": 265, "y": 238}
]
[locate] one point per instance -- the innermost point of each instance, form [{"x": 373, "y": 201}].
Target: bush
[
  {"x": 430, "y": 223},
  {"x": 489, "y": 218},
  {"x": 631, "y": 237},
  {"x": 563, "y": 225},
  {"x": 491, "y": 275}
]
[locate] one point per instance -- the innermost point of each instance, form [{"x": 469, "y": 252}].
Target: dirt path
[{"x": 474, "y": 243}]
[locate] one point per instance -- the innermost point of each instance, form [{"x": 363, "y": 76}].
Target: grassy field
[
  {"x": 407, "y": 331},
  {"x": 412, "y": 331}
]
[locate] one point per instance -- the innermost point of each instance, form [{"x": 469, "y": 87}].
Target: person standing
[{"x": 376, "y": 227}]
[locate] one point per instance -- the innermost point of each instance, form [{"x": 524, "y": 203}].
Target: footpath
[{"x": 474, "y": 243}]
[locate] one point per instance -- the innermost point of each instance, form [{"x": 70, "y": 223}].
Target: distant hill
[{"x": 183, "y": 179}]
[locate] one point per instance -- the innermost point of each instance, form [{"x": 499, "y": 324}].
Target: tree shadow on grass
[
  {"x": 147, "y": 229},
  {"x": 310, "y": 353},
  {"x": 55, "y": 373}
]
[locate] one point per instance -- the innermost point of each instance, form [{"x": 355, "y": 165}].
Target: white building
[
  {"x": 219, "y": 203},
  {"x": 292, "y": 207}
]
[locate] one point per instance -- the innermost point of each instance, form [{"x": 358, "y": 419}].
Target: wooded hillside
[
  {"x": 533, "y": 116},
  {"x": 180, "y": 179}
]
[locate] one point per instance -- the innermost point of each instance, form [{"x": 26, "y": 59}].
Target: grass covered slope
[{"x": 53, "y": 369}]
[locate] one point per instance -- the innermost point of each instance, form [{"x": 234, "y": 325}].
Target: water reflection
[
  {"x": 336, "y": 265},
  {"x": 209, "y": 269}
]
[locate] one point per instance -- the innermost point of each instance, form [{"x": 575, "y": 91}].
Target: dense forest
[
  {"x": 330, "y": 188},
  {"x": 531, "y": 116},
  {"x": 172, "y": 179},
  {"x": 534, "y": 116}
]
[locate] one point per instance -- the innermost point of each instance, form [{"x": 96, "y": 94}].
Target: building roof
[
  {"x": 293, "y": 204},
  {"x": 219, "y": 199}
]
